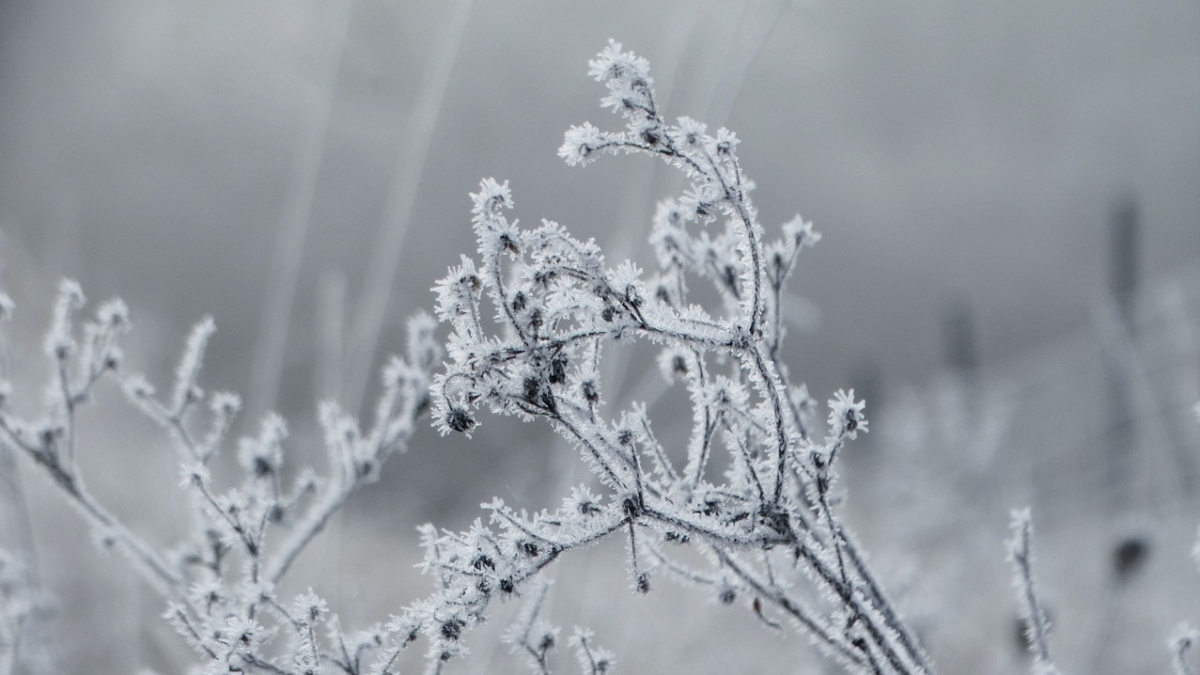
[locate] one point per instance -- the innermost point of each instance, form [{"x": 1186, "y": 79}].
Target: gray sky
[{"x": 949, "y": 151}]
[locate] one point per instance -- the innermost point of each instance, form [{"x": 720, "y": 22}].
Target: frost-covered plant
[
  {"x": 220, "y": 579},
  {"x": 1029, "y": 602},
  {"x": 24, "y": 612},
  {"x": 1184, "y": 638},
  {"x": 770, "y": 518},
  {"x": 536, "y": 639},
  {"x": 751, "y": 490}
]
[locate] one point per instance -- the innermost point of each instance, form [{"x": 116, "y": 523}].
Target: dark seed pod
[
  {"x": 262, "y": 468},
  {"x": 452, "y": 629},
  {"x": 590, "y": 393},
  {"x": 642, "y": 582},
  {"x": 459, "y": 419},
  {"x": 530, "y": 388},
  {"x": 558, "y": 370},
  {"x": 631, "y": 507}
]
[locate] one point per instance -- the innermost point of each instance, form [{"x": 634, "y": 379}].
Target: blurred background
[{"x": 1009, "y": 194}]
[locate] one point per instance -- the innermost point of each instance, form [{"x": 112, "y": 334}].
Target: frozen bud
[
  {"x": 104, "y": 538},
  {"x": 800, "y": 232},
  {"x": 699, "y": 203},
  {"x": 70, "y": 292},
  {"x": 690, "y": 134},
  {"x": 186, "y": 391},
  {"x": 452, "y": 629},
  {"x": 459, "y": 419},
  {"x": 1183, "y": 638},
  {"x": 113, "y": 358},
  {"x": 113, "y": 314},
  {"x": 580, "y": 144},
  {"x": 614, "y": 64},
  {"x": 726, "y": 593},
  {"x": 225, "y": 404},
  {"x": 59, "y": 346},
  {"x": 310, "y": 608},
  {"x": 245, "y": 635},
  {"x": 194, "y": 474},
  {"x": 138, "y": 388},
  {"x": 558, "y": 369},
  {"x": 546, "y": 642},
  {"x": 396, "y": 374},
  {"x": 673, "y": 363},
  {"x": 727, "y": 142},
  {"x": 492, "y": 196},
  {"x": 846, "y": 415},
  {"x": 591, "y": 393},
  {"x": 625, "y": 436},
  {"x": 423, "y": 349},
  {"x": 641, "y": 582}
]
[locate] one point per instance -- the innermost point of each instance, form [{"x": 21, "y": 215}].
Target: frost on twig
[
  {"x": 536, "y": 639},
  {"x": 592, "y": 659},
  {"x": 219, "y": 580},
  {"x": 1037, "y": 627},
  {"x": 532, "y": 637},
  {"x": 1182, "y": 641},
  {"x": 25, "y": 615}
]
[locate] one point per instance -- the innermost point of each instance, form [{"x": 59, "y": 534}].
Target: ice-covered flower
[
  {"x": 113, "y": 314},
  {"x": 309, "y": 608},
  {"x": 457, "y": 291},
  {"x": 673, "y": 363},
  {"x": 59, "y": 344},
  {"x": 492, "y": 197},
  {"x": 423, "y": 349},
  {"x": 582, "y": 501},
  {"x": 580, "y": 144},
  {"x": 727, "y": 142},
  {"x": 699, "y": 202},
  {"x": 614, "y": 64},
  {"x": 245, "y": 635},
  {"x": 689, "y": 134},
  {"x": 452, "y": 416},
  {"x": 800, "y": 232},
  {"x": 846, "y": 415}
]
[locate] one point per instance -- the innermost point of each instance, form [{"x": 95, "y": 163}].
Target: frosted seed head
[
  {"x": 580, "y": 144},
  {"x": 459, "y": 419}
]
